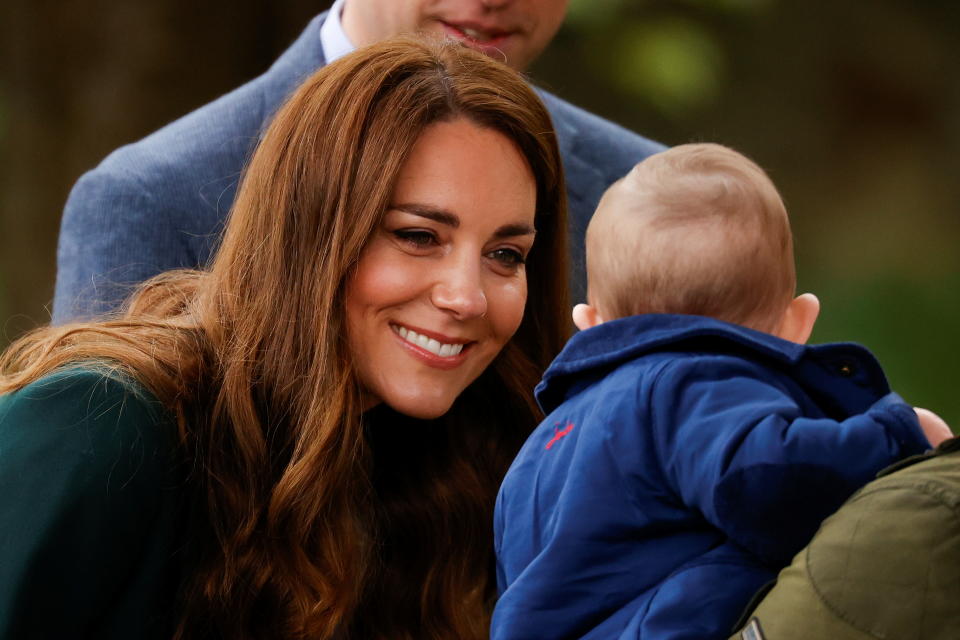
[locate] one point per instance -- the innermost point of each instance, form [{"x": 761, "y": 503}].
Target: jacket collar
[
  {"x": 612, "y": 343},
  {"x": 301, "y": 59},
  {"x": 568, "y": 139}
]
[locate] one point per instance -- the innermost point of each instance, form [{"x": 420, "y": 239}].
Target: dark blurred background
[{"x": 853, "y": 108}]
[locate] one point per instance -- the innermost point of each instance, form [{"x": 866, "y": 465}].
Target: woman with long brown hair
[{"x": 304, "y": 440}]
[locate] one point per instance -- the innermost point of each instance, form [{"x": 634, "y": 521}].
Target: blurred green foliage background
[{"x": 853, "y": 108}]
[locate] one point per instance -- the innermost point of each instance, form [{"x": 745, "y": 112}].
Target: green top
[{"x": 90, "y": 510}]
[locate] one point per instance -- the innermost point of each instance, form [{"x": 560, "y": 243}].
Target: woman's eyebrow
[
  {"x": 431, "y": 213},
  {"x": 513, "y": 230},
  {"x": 451, "y": 220}
]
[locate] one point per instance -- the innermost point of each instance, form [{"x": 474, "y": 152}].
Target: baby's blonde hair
[{"x": 697, "y": 229}]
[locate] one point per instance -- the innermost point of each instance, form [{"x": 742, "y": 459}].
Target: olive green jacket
[
  {"x": 90, "y": 510},
  {"x": 886, "y": 566}
]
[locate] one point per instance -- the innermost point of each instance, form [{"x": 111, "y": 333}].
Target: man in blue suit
[{"x": 160, "y": 203}]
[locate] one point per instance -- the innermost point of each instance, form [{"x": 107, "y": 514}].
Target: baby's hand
[{"x": 933, "y": 426}]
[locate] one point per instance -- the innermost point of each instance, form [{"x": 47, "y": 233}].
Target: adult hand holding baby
[{"x": 933, "y": 426}]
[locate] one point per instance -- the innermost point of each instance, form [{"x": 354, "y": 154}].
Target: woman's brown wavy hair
[{"x": 310, "y": 519}]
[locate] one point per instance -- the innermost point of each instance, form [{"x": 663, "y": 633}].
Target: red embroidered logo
[{"x": 559, "y": 433}]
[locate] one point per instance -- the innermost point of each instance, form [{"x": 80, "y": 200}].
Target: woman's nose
[{"x": 459, "y": 290}]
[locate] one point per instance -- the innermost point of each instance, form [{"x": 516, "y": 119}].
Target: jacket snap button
[{"x": 846, "y": 369}]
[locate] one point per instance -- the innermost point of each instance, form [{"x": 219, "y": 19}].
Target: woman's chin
[{"x": 421, "y": 408}]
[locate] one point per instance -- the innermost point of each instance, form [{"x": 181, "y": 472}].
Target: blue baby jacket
[{"x": 683, "y": 461}]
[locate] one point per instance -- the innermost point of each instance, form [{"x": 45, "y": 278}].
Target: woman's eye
[
  {"x": 508, "y": 257},
  {"x": 417, "y": 238}
]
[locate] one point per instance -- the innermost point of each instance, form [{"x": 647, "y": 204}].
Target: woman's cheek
[{"x": 514, "y": 299}]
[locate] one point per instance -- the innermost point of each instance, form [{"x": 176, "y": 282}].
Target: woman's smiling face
[{"x": 440, "y": 288}]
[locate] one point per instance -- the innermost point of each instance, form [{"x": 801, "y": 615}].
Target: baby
[{"x": 693, "y": 443}]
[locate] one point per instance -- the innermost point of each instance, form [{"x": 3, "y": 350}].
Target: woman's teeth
[{"x": 433, "y": 346}]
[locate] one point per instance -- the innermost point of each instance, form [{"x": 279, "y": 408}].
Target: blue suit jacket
[
  {"x": 160, "y": 203},
  {"x": 682, "y": 462}
]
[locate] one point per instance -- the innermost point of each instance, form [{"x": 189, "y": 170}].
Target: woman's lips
[{"x": 436, "y": 350}]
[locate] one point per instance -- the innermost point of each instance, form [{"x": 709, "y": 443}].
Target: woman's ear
[
  {"x": 799, "y": 318},
  {"x": 586, "y": 316}
]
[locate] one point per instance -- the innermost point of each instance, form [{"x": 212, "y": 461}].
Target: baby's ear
[
  {"x": 799, "y": 318},
  {"x": 586, "y": 316}
]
